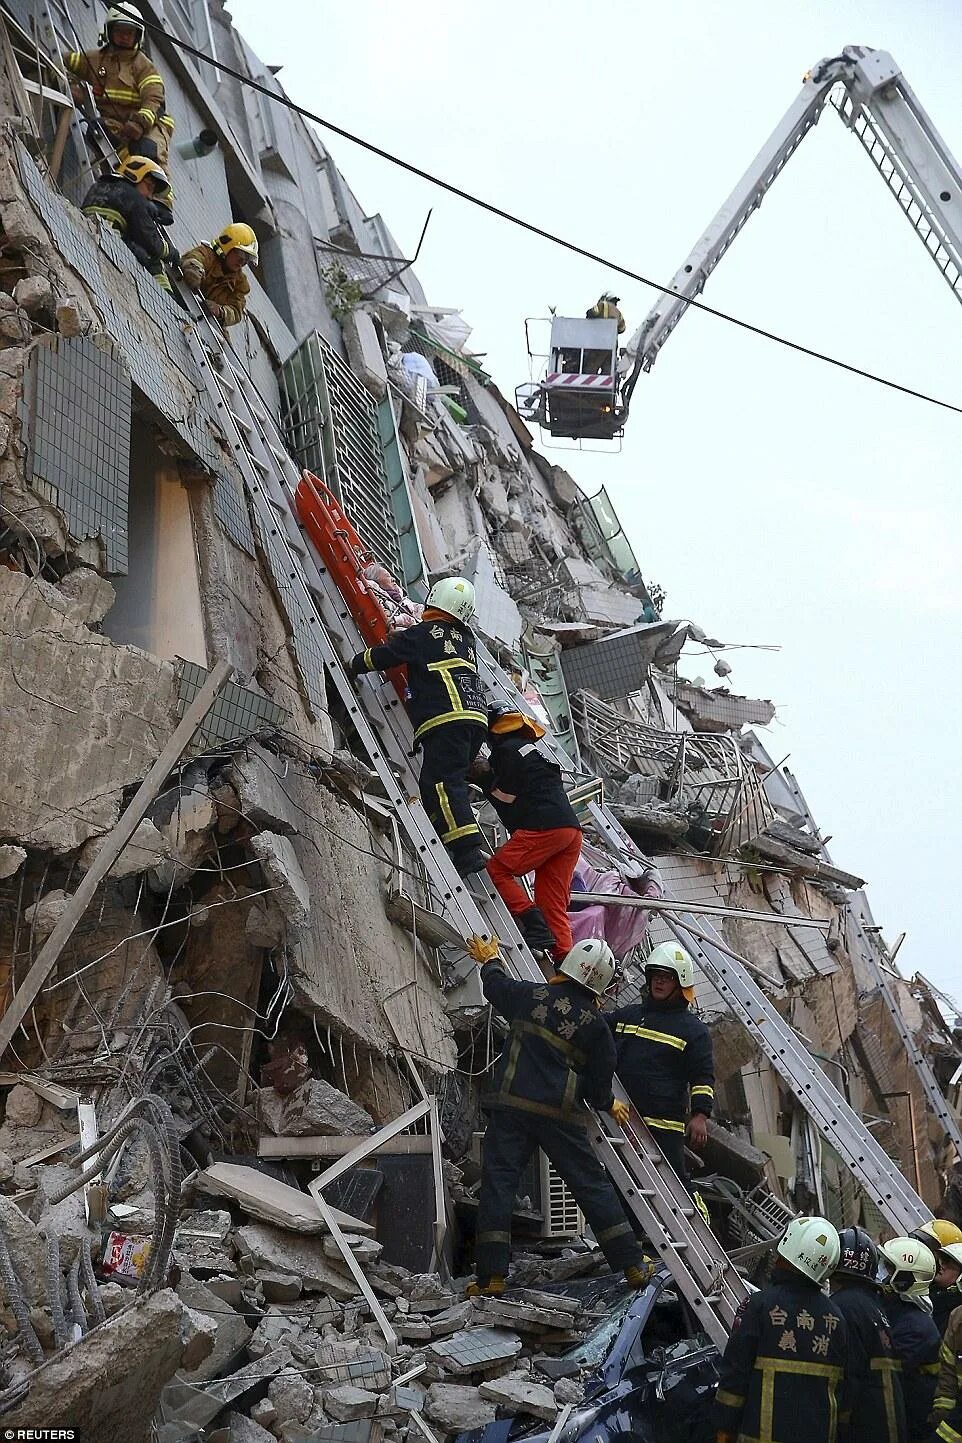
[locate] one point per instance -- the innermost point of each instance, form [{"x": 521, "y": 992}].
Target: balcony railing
[{"x": 707, "y": 776}]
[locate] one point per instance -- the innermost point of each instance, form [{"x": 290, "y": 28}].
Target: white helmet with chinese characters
[
  {"x": 669, "y": 957},
  {"x": 811, "y": 1245},
  {"x": 455, "y": 595},
  {"x": 906, "y": 1267},
  {"x": 591, "y": 964}
]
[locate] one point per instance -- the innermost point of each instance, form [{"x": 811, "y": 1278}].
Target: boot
[
  {"x": 468, "y": 862},
  {"x": 639, "y": 1276},
  {"x": 535, "y": 930},
  {"x": 493, "y": 1288}
]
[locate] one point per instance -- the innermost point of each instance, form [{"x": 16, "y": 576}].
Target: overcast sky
[{"x": 777, "y": 500}]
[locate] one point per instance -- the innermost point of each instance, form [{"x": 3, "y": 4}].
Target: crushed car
[{"x": 649, "y": 1373}]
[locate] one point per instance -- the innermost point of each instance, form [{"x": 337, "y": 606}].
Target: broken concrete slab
[
  {"x": 44, "y": 914},
  {"x": 28, "y": 1251},
  {"x": 90, "y": 595},
  {"x": 260, "y": 793},
  {"x": 279, "y": 1251},
  {"x": 568, "y": 1390},
  {"x": 23, "y": 1108},
  {"x": 351, "y": 1362},
  {"x": 244, "y": 1430},
  {"x": 516, "y": 1393},
  {"x": 456, "y": 1408},
  {"x": 345, "y": 1402},
  {"x": 474, "y": 1349},
  {"x": 273, "y": 1201},
  {"x": 364, "y": 352},
  {"x": 452, "y": 1319},
  {"x": 198, "y": 1332},
  {"x": 366, "y": 1250},
  {"x": 147, "y": 848},
  {"x": 292, "y": 1397},
  {"x": 93, "y": 1388},
  {"x": 314, "y": 1109},
  {"x": 275, "y": 1330},
  {"x": 11, "y": 860},
  {"x": 279, "y": 1287},
  {"x": 187, "y": 1403},
  {"x": 231, "y": 1331},
  {"x": 522, "y": 1317},
  {"x": 282, "y": 872}
]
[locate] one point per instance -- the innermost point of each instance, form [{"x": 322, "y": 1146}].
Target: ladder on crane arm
[
  {"x": 702, "y": 1271},
  {"x": 873, "y": 98}
]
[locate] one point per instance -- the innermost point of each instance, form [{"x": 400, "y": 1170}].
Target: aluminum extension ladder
[
  {"x": 701, "y": 1269},
  {"x": 841, "y": 1127}
]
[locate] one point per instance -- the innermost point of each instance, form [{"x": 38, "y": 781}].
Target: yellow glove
[
  {"x": 483, "y": 949},
  {"x": 621, "y": 1112}
]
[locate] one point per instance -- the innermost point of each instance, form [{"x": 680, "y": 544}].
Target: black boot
[
  {"x": 468, "y": 862},
  {"x": 535, "y": 930}
]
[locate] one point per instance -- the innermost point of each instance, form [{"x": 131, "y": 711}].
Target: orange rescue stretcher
[{"x": 345, "y": 556}]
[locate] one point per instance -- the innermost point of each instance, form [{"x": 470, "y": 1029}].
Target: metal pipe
[{"x": 706, "y": 909}]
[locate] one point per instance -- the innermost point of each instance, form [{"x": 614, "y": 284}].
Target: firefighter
[
  {"x": 448, "y": 707},
  {"x": 128, "y": 91},
  {"x": 126, "y": 200},
  {"x": 781, "y": 1376},
  {"x": 947, "y": 1411},
  {"x": 217, "y": 271},
  {"x": 665, "y": 1055},
  {"x": 872, "y": 1374},
  {"x": 605, "y": 308},
  {"x": 526, "y": 790},
  {"x": 906, "y": 1268},
  {"x": 945, "y": 1294},
  {"x": 558, "y": 1061}
]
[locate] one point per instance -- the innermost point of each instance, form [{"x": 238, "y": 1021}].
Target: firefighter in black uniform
[
  {"x": 873, "y": 1379},
  {"x": 126, "y": 200},
  {"x": 558, "y": 1057},
  {"x": 781, "y": 1376},
  {"x": 906, "y": 1268},
  {"x": 448, "y": 708},
  {"x": 946, "y": 1290},
  {"x": 665, "y": 1058}
]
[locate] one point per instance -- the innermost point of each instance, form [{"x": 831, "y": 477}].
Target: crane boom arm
[{"x": 877, "y": 104}]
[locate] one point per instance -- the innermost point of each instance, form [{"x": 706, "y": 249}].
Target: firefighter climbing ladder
[{"x": 702, "y": 1270}]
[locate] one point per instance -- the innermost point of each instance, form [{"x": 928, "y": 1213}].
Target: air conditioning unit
[{"x": 563, "y": 1217}]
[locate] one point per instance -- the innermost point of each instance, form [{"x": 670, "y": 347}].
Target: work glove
[
  {"x": 357, "y": 667},
  {"x": 621, "y": 1112},
  {"x": 483, "y": 949},
  {"x": 131, "y": 130}
]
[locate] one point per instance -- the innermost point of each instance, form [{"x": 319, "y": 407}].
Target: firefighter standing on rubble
[
  {"x": 665, "y": 1060},
  {"x": 126, "y": 201},
  {"x": 525, "y": 788},
  {"x": 558, "y": 1061},
  {"x": 217, "y": 271},
  {"x": 127, "y": 89},
  {"x": 906, "y": 1268},
  {"x": 781, "y": 1379},
  {"x": 448, "y": 708},
  {"x": 872, "y": 1372}
]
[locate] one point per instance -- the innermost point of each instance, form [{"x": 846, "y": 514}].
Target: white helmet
[
  {"x": 907, "y": 1267},
  {"x": 590, "y": 963},
  {"x": 952, "y": 1251},
  {"x": 455, "y": 595},
  {"x": 811, "y": 1245},
  {"x": 672, "y": 958}
]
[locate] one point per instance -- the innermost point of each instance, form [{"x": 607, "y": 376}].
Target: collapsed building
[{"x": 257, "y": 991}]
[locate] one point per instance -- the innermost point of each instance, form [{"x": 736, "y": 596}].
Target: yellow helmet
[
  {"x": 939, "y": 1230},
  {"x": 137, "y": 168},
  {"x": 237, "y": 237}
]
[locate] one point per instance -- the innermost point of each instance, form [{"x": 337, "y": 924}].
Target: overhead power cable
[{"x": 540, "y": 231}]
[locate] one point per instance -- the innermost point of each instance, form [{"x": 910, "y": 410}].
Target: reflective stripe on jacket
[
  {"x": 781, "y": 1379},
  {"x": 443, "y": 678},
  {"x": 126, "y": 85},
  {"x": 605, "y": 311},
  {"x": 947, "y": 1410},
  {"x": 664, "y": 1061},
  {"x": 559, "y": 1054},
  {"x": 204, "y": 272},
  {"x": 916, "y": 1343}
]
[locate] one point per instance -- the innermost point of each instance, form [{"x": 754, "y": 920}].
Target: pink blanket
[{"x": 621, "y": 927}]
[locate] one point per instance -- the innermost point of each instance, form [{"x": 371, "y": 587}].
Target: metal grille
[
  {"x": 237, "y": 712},
  {"x": 332, "y": 428},
  {"x": 707, "y": 775},
  {"x": 77, "y": 415},
  {"x": 562, "y": 1216}
]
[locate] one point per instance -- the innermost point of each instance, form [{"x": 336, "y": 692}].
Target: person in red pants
[{"x": 525, "y": 788}]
